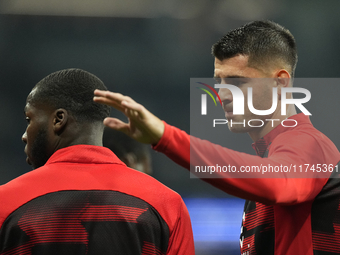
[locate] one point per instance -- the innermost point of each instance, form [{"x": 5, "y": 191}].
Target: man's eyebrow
[
  {"x": 229, "y": 76},
  {"x": 234, "y": 76}
]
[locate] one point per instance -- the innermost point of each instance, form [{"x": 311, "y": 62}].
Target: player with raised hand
[{"x": 282, "y": 215}]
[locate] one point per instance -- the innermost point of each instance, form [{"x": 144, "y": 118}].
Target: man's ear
[
  {"x": 283, "y": 80},
  {"x": 60, "y": 120}
]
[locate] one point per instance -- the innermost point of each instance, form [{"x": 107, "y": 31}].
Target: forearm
[{"x": 176, "y": 144}]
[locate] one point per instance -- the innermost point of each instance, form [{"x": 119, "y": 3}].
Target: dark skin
[{"x": 49, "y": 130}]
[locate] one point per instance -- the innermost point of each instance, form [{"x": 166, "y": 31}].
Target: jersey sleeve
[
  {"x": 181, "y": 240},
  {"x": 279, "y": 189}
]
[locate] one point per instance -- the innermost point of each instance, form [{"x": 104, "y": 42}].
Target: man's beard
[{"x": 39, "y": 149}]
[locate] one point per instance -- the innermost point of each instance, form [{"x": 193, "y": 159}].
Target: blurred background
[{"x": 149, "y": 50}]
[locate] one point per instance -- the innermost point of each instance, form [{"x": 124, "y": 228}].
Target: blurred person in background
[{"x": 134, "y": 154}]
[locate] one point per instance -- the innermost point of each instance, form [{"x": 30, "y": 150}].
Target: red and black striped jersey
[
  {"x": 282, "y": 215},
  {"x": 84, "y": 200}
]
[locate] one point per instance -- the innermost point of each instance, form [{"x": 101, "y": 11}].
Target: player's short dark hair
[
  {"x": 72, "y": 90},
  {"x": 263, "y": 41}
]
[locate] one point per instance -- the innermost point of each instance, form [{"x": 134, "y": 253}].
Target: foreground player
[
  {"x": 281, "y": 215},
  {"x": 69, "y": 203}
]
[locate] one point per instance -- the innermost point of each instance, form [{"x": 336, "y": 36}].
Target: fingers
[
  {"x": 123, "y": 103},
  {"x": 134, "y": 114},
  {"x": 116, "y": 100},
  {"x": 110, "y": 97},
  {"x": 143, "y": 126},
  {"x": 132, "y": 105},
  {"x": 117, "y": 124}
]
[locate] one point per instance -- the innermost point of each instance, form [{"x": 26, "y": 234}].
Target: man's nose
[
  {"x": 225, "y": 95},
  {"x": 24, "y": 137}
]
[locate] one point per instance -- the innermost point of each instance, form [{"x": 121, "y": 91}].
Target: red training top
[
  {"x": 282, "y": 215},
  {"x": 84, "y": 200}
]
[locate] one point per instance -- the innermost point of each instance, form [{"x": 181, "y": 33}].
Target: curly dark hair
[{"x": 72, "y": 90}]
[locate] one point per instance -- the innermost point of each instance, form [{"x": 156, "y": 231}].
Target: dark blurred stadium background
[{"x": 149, "y": 50}]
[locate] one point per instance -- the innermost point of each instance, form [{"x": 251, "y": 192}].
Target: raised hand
[{"x": 143, "y": 126}]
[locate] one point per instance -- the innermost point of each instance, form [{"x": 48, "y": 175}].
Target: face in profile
[
  {"x": 36, "y": 136},
  {"x": 236, "y": 71}
]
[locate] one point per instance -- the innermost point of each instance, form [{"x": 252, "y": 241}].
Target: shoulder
[
  {"x": 306, "y": 140},
  {"x": 150, "y": 189},
  {"x": 114, "y": 177}
]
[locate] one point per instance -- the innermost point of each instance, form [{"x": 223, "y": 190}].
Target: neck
[
  {"x": 90, "y": 134},
  {"x": 270, "y": 125}
]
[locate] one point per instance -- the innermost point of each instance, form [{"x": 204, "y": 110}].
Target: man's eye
[{"x": 235, "y": 81}]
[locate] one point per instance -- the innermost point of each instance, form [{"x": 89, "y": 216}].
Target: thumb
[{"x": 117, "y": 124}]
